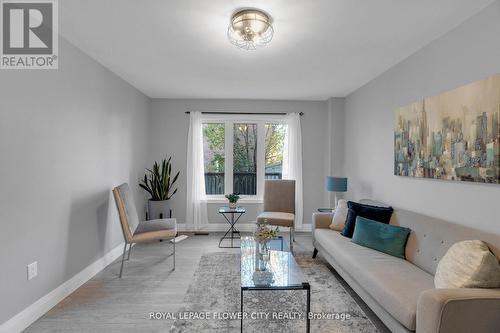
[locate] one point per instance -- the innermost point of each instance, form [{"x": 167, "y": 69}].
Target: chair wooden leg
[
  {"x": 123, "y": 258},
  {"x": 291, "y": 239},
  {"x": 293, "y": 234},
  {"x": 129, "y": 250}
]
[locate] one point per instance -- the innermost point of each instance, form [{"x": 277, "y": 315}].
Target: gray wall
[
  {"x": 67, "y": 137},
  {"x": 168, "y": 136},
  {"x": 336, "y": 139},
  {"x": 468, "y": 53}
]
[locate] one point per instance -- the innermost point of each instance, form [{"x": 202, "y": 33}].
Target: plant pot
[
  {"x": 159, "y": 209},
  {"x": 233, "y": 205}
]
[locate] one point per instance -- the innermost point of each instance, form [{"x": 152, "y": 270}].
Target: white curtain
[
  {"x": 196, "y": 205},
  {"x": 292, "y": 162}
]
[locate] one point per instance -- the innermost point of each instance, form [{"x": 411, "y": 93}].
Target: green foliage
[
  {"x": 214, "y": 132},
  {"x": 244, "y": 147},
  {"x": 158, "y": 182},
  {"x": 233, "y": 197},
  {"x": 275, "y": 137}
]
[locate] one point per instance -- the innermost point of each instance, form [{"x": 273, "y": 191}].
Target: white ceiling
[{"x": 321, "y": 48}]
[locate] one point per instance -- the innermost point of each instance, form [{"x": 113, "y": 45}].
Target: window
[
  {"x": 214, "y": 157},
  {"x": 240, "y": 154},
  {"x": 275, "y": 139},
  {"x": 245, "y": 159}
]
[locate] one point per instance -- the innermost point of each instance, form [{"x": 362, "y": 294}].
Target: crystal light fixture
[{"x": 250, "y": 28}]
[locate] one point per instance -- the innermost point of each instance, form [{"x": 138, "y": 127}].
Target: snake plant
[{"x": 158, "y": 181}]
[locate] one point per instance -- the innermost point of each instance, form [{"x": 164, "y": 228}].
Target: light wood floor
[{"x": 109, "y": 304}]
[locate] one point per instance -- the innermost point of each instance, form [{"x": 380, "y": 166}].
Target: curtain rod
[{"x": 246, "y": 113}]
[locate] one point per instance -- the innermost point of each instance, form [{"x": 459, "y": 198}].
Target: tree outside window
[{"x": 244, "y": 150}]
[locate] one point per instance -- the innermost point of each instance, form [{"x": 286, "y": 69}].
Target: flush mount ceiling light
[{"x": 250, "y": 28}]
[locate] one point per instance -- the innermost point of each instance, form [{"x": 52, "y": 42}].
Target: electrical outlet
[{"x": 32, "y": 270}]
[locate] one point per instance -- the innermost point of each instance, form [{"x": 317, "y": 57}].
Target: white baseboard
[
  {"x": 245, "y": 227},
  {"x": 29, "y": 315}
]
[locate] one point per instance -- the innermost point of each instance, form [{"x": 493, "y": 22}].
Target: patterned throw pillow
[
  {"x": 339, "y": 216},
  {"x": 468, "y": 264}
]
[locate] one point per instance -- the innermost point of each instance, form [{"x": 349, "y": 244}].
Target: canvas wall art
[{"x": 452, "y": 136}]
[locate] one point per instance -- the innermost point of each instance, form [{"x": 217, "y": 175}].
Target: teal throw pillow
[{"x": 390, "y": 239}]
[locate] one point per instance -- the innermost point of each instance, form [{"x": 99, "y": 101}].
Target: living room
[{"x": 284, "y": 166}]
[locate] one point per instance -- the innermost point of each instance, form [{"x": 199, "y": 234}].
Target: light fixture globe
[{"x": 250, "y": 28}]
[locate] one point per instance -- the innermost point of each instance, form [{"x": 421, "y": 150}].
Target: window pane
[
  {"x": 275, "y": 139},
  {"x": 245, "y": 159},
  {"x": 213, "y": 157}
]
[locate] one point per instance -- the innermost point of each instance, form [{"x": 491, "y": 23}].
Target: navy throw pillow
[{"x": 379, "y": 214}]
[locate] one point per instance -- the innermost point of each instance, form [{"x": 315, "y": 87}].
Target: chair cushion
[
  {"x": 276, "y": 218},
  {"x": 279, "y": 195},
  {"x": 129, "y": 205},
  {"x": 468, "y": 264},
  {"x": 155, "y": 229},
  {"x": 394, "y": 283}
]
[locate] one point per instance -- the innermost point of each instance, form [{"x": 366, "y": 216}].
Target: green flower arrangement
[{"x": 265, "y": 233}]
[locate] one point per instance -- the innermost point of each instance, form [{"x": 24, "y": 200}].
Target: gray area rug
[{"x": 215, "y": 288}]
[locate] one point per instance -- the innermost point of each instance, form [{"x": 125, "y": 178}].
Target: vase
[
  {"x": 261, "y": 255},
  {"x": 159, "y": 209},
  {"x": 232, "y": 205},
  {"x": 263, "y": 248}
]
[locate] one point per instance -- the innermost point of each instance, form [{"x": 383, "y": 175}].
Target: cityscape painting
[{"x": 452, "y": 136}]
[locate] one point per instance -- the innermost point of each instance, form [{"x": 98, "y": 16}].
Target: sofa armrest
[
  {"x": 321, "y": 220},
  {"x": 458, "y": 310}
]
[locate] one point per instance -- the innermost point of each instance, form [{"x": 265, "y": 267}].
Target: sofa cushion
[
  {"x": 393, "y": 282},
  {"x": 468, "y": 264},
  {"x": 276, "y": 218},
  {"x": 339, "y": 216},
  {"x": 390, "y": 239},
  {"x": 379, "y": 214}
]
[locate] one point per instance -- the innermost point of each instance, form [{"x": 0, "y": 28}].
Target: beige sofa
[{"x": 401, "y": 292}]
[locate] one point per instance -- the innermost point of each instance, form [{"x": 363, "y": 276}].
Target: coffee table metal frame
[{"x": 304, "y": 286}]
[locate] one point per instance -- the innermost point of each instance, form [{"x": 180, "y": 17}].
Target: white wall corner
[{"x": 30, "y": 314}]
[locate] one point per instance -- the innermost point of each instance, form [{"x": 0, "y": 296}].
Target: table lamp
[{"x": 336, "y": 184}]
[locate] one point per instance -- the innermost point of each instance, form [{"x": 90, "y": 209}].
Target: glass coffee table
[{"x": 270, "y": 269}]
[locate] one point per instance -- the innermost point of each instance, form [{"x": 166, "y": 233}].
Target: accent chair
[
  {"x": 135, "y": 231},
  {"x": 279, "y": 205}
]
